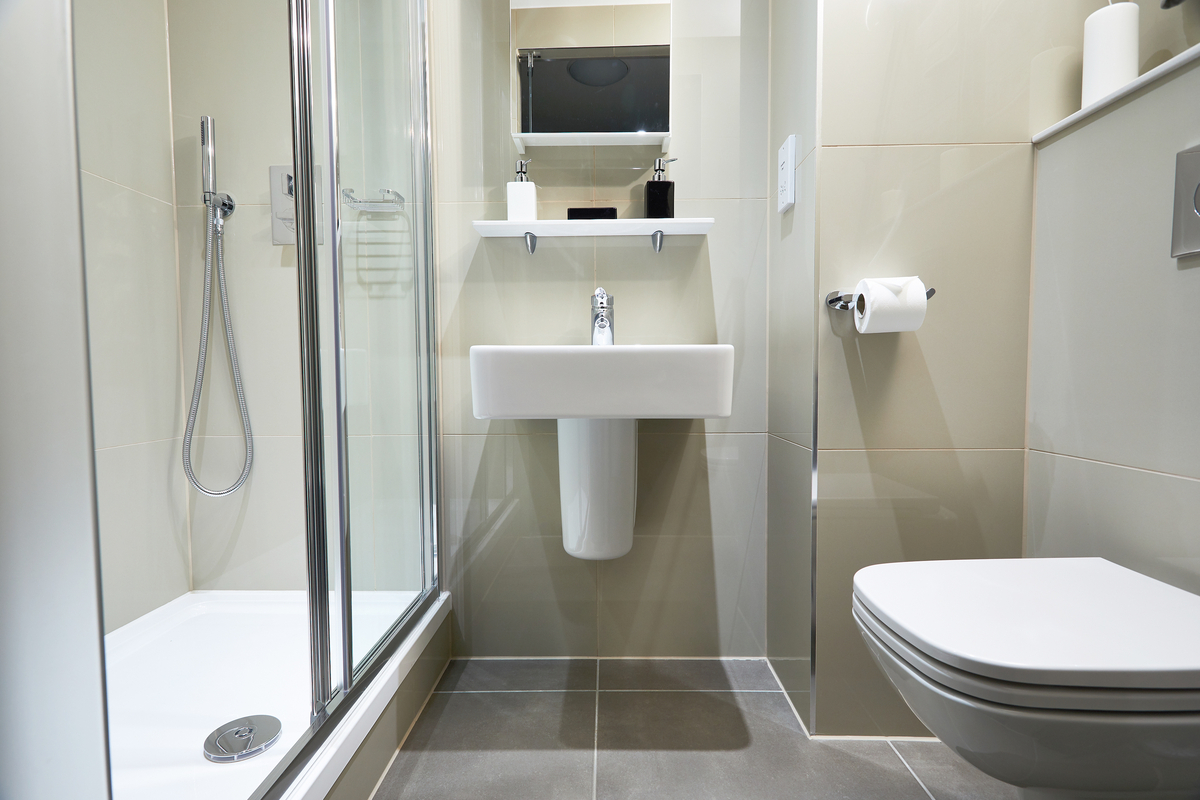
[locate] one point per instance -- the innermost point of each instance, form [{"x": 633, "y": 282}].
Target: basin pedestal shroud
[{"x": 597, "y": 479}]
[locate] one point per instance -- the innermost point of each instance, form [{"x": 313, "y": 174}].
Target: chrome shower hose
[{"x": 215, "y": 230}]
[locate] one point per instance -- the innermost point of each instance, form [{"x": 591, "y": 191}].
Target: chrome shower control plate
[{"x": 242, "y": 738}]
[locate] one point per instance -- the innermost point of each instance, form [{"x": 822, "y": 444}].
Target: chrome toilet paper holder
[{"x": 844, "y": 301}]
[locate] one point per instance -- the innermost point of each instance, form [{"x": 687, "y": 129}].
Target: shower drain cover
[{"x": 242, "y": 738}]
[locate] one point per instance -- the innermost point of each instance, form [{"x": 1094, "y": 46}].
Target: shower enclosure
[{"x": 283, "y": 591}]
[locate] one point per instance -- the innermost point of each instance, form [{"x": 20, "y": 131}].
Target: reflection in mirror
[{"x": 583, "y": 68}]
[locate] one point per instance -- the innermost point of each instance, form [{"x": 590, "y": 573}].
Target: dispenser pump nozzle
[
  {"x": 523, "y": 170},
  {"x": 660, "y": 168}
]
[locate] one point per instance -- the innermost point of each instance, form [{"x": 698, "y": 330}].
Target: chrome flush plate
[{"x": 1185, "y": 233}]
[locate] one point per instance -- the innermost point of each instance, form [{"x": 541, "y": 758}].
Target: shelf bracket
[
  {"x": 656, "y": 239},
  {"x": 530, "y": 242}
]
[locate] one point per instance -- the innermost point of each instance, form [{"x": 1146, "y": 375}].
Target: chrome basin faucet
[{"x": 602, "y": 317}]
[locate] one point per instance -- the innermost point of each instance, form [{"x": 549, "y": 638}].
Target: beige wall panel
[
  {"x": 122, "y": 94},
  {"x": 252, "y": 114},
  {"x": 253, "y": 539},
  {"x": 965, "y": 72},
  {"x": 144, "y": 554},
  {"x": 642, "y": 24},
  {"x": 1110, "y": 380},
  {"x": 516, "y": 590},
  {"x": 789, "y": 567},
  {"x": 1139, "y": 519},
  {"x": 566, "y": 26},
  {"x": 960, "y": 218},
  {"x": 692, "y": 585},
  {"x": 883, "y": 506},
  {"x": 133, "y": 321},
  {"x": 793, "y": 304}
]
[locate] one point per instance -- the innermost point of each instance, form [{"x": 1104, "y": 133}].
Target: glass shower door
[{"x": 381, "y": 254}]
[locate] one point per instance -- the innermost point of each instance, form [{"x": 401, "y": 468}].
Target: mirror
[{"x": 580, "y": 67}]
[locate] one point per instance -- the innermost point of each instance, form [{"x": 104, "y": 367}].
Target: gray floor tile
[
  {"x": 707, "y": 675},
  {"x": 725, "y": 745},
  {"x": 508, "y": 675},
  {"x": 528, "y": 745},
  {"x": 948, "y": 777}
]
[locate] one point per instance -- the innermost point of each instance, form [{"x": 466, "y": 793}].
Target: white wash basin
[{"x": 629, "y": 381}]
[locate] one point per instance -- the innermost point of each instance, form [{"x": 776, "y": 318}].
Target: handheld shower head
[{"x": 208, "y": 158}]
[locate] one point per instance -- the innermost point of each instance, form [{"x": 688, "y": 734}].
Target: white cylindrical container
[
  {"x": 597, "y": 483},
  {"x": 889, "y": 305},
  {"x": 1110, "y": 50}
]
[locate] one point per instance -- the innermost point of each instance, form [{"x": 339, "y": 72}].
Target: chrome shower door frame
[{"x": 330, "y": 702}]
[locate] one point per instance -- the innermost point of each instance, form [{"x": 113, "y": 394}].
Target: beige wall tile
[
  {"x": 566, "y": 26},
  {"x": 793, "y": 99},
  {"x": 133, "y": 322},
  {"x": 252, "y": 113},
  {"x": 471, "y": 99},
  {"x": 396, "y": 496},
  {"x": 254, "y": 539},
  {"x": 261, "y": 278},
  {"x": 692, "y": 585},
  {"x": 516, "y": 590},
  {"x": 143, "y": 529},
  {"x": 642, "y": 24},
  {"x": 789, "y": 565},
  {"x": 122, "y": 93},
  {"x": 699, "y": 290},
  {"x": 1138, "y": 519},
  {"x": 793, "y": 305},
  {"x": 881, "y": 506},
  {"x": 719, "y": 74},
  {"x": 1107, "y": 381},
  {"x": 937, "y": 72},
  {"x": 961, "y": 219}
]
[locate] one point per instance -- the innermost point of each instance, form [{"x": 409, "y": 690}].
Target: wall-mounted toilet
[{"x": 1067, "y": 677}]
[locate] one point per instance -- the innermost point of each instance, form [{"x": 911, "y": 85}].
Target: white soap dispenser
[{"x": 522, "y": 195}]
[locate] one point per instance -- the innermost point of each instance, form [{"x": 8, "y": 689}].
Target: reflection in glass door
[{"x": 380, "y": 251}]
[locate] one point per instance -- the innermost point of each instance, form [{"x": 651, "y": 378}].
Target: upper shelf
[
  {"x": 677, "y": 226},
  {"x": 656, "y": 229},
  {"x": 524, "y": 140}
]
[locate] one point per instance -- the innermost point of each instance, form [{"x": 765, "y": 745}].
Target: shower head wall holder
[{"x": 844, "y": 300}]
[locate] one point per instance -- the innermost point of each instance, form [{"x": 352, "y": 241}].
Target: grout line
[
  {"x": 788, "y": 697},
  {"x": 612, "y": 691},
  {"x": 596, "y": 736},
  {"x": 129, "y": 188},
  {"x": 607, "y": 658},
  {"x": 1114, "y": 464},
  {"x": 911, "y": 771}
]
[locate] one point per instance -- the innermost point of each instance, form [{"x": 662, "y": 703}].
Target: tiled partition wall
[
  {"x": 1113, "y": 464},
  {"x": 694, "y": 584},
  {"x": 124, "y": 117},
  {"x": 922, "y": 166}
]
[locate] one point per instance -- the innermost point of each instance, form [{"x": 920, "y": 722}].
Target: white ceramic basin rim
[{"x": 667, "y": 381}]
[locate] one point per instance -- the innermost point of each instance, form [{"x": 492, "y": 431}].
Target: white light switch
[{"x": 787, "y": 174}]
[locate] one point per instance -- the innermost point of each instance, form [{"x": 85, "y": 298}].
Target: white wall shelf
[
  {"x": 524, "y": 140},
  {"x": 656, "y": 229}
]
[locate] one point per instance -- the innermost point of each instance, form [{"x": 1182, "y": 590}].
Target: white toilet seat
[
  {"x": 1024, "y": 695},
  {"x": 1070, "y": 622}
]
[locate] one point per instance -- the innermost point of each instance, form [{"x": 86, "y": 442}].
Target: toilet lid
[{"x": 1052, "y": 621}]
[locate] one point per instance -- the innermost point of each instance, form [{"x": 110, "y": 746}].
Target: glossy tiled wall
[
  {"x": 1113, "y": 470},
  {"x": 123, "y": 101},
  {"x": 694, "y": 584}
]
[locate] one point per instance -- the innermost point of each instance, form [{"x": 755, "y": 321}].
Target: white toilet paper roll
[
  {"x": 1110, "y": 50},
  {"x": 888, "y": 305}
]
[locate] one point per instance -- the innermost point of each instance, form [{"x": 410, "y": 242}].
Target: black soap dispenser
[{"x": 660, "y": 192}]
